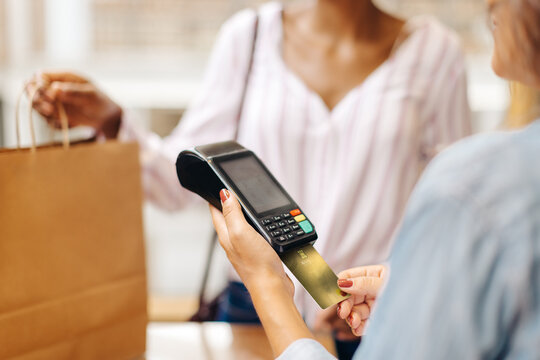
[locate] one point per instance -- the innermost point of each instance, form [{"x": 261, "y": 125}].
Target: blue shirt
[{"x": 465, "y": 270}]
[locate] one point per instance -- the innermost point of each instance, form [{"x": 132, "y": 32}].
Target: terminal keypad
[{"x": 287, "y": 226}]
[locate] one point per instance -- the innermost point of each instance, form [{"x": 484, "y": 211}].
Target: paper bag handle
[{"x": 61, "y": 113}]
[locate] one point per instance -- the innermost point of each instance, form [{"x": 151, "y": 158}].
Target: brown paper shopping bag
[{"x": 72, "y": 264}]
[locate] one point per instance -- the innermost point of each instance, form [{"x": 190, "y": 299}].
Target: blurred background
[{"x": 149, "y": 56}]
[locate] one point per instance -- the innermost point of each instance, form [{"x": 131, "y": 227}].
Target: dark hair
[{"x": 526, "y": 33}]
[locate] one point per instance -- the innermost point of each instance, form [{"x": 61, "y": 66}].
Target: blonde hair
[
  {"x": 526, "y": 36},
  {"x": 524, "y": 105}
]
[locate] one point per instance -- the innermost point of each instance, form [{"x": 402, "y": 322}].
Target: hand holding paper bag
[
  {"x": 85, "y": 104},
  {"x": 72, "y": 264}
]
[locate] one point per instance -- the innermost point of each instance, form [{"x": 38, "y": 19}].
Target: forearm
[
  {"x": 262, "y": 272},
  {"x": 279, "y": 316},
  {"x": 157, "y": 157}
]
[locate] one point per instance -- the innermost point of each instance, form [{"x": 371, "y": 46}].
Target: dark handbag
[{"x": 208, "y": 309}]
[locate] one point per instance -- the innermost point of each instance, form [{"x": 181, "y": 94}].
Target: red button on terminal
[{"x": 295, "y": 212}]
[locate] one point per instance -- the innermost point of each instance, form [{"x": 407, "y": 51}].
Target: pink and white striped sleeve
[
  {"x": 210, "y": 118},
  {"x": 449, "y": 115}
]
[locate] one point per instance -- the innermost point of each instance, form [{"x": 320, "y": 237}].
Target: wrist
[
  {"x": 268, "y": 280},
  {"x": 272, "y": 295},
  {"x": 111, "y": 125}
]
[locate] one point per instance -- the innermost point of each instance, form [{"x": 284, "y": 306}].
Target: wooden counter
[{"x": 212, "y": 340}]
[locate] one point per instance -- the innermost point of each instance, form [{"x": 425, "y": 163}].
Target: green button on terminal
[{"x": 306, "y": 226}]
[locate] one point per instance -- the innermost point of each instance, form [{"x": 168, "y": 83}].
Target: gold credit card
[{"x": 314, "y": 274}]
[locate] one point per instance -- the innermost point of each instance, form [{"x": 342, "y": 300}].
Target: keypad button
[
  {"x": 290, "y": 236},
  {"x": 276, "y": 233},
  {"x": 286, "y": 230},
  {"x": 285, "y": 216},
  {"x": 295, "y": 212},
  {"x": 306, "y": 226},
  {"x": 271, "y": 227},
  {"x": 299, "y": 233},
  {"x": 282, "y": 224},
  {"x": 281, "y": 238},
  {"x": 277, "y": 218},
  {"x": 291, "y": 221},
  {"x": 295, "y": 227},
  {"x": 300, "y": 218},
  {"x": 266, "y": 221}
]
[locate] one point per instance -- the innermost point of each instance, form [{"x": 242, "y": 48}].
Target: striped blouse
[{"x": 352, "y": 168}]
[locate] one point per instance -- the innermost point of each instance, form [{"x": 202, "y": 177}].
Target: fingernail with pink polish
[
  {"x": 344, "y": 283},
  {"x": 224, "y": 195}
]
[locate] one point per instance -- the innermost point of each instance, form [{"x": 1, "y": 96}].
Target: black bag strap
[{"x": 204, "y": 311}]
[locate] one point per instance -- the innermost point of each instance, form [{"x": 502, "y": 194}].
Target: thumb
[
  {"x": 367, "y": 286},
  {"x": 232, "y": 212},
  {"x": 72, "y": 93},
  {"x": 63, "y": 76}
]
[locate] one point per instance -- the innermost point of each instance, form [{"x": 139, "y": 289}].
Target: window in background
[
  {"x": 2, "y": 33},
  {"x": 467, "y": 17},
  {"x": 21, "y": 32},
  {"x": 192, "y": 25},
  {"x": 161, "y": 24},
  {"x": 37, "y": 9},
  {"x": 2, "y": 60}
]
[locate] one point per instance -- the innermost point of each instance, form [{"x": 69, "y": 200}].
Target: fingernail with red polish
[
  {"x": 344, "y": 283},
  {"x": 224, "y": 195},
  {"x": 349, "y": 319}
]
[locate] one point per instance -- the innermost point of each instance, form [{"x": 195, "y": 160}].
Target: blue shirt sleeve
[
  {"x": 421, "y": 313},
  {"x": 462, "y": 280},
  {"x": 308, "y": 349}
]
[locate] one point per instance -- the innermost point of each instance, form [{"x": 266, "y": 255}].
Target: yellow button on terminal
[{"x": 300, "y": 218}]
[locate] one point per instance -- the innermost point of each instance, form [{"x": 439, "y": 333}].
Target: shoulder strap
[{"x": 248, "y": 74}]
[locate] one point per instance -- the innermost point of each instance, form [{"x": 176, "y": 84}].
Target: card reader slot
[{"x": 201, "y": 180}]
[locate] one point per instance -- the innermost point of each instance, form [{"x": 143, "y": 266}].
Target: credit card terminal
[
  {"x": 266, "y": 205},
  {"x": 268, "y": 208}
]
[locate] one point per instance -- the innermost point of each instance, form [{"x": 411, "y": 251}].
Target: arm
[
  {"x": 430, "y": 304},
  {"x": 261, "y": 270},
  {"x": 272, "y": 291},
  {"x": 211, "y": 117},
  {"x": 281, "y": 320}
]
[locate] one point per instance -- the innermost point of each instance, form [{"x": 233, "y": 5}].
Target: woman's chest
[{"x": 281, "y": 109}]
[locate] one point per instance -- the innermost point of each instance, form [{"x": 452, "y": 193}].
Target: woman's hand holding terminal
[
  {"x": 262, "y": 272},
  {"x": 83, "y": 102}
]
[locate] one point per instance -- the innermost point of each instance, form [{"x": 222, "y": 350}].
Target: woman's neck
[{"x": 358, "y": 19}]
